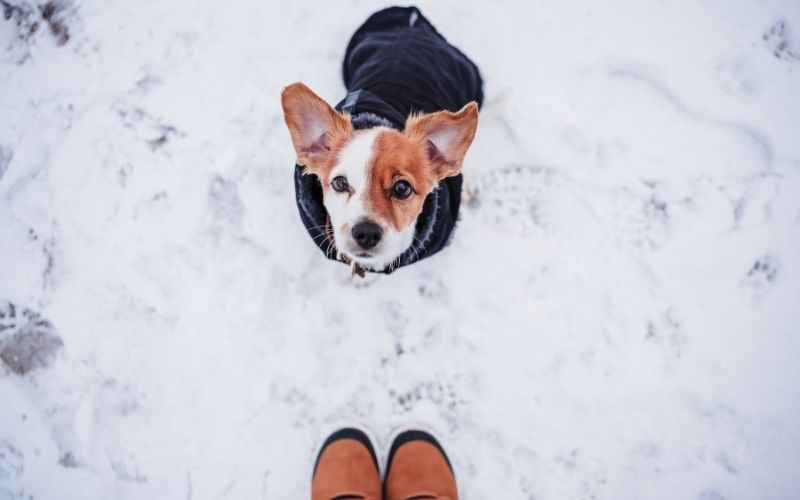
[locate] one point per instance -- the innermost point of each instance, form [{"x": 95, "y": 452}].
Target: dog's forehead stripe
[
  {"x": 355, "y": 159},
  {"x": 353, "y": 163}
]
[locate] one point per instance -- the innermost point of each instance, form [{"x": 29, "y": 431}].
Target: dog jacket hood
[{"x": 397, "y": 64}]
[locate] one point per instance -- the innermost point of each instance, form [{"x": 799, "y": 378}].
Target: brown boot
[
  {"x": 418, "y": 469},
  {"x": 346, "y": 468}
]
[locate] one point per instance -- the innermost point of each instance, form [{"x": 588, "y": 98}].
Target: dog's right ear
[
  {"x": 313, "y": 125},
  {"x": 446, "y": 136}
]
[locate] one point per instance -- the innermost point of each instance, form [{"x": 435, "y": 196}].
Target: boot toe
[
  {"x": 418, "y": 468},
  {"x": 346, "y": 468}
]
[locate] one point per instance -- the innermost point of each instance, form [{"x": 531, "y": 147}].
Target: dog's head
[{"x": 374, "y": 181}]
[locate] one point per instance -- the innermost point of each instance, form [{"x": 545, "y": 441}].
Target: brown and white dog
[{"x": 375, "y": 179}]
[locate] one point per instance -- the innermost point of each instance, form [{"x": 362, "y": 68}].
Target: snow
[{"x": 616, "y": 318}]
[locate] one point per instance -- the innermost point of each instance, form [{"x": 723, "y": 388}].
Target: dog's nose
[{"x": 367, "y": 234}]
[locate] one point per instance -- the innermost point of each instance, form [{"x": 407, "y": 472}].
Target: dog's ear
[
  {"x": 446, "y": 136},
  {"x": 312, "y": 123}
]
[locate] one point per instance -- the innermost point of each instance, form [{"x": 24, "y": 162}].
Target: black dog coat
[{"x": 396, "y": 64}]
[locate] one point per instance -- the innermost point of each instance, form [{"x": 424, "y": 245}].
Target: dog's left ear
[
  {"x": 447, "y": 137},
  {"x": 312, "y": 123}
]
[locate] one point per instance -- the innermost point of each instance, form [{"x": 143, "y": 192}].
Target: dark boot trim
[
  {"x": 414, "y": 435},
  {"x": 349, "y": 433}
]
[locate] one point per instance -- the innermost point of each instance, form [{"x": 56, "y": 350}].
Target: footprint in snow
[
  {"x": 514, "y": 200},
  {"x": 760, "y": 277},
  {"x": 27, "y": 341},
  {"x": 779, "y": 41},
  {"x": 12, "y": 460},
  {"x": 537, "y": 202},
  {"x": 5, "y": 160},
  {"x": 634, "y": 221}
]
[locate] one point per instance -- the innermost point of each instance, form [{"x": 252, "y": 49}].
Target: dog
[{"x": 378, "y": 177}]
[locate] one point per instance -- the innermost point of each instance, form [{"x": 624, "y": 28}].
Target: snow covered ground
[{"x": 617, "y": 317}]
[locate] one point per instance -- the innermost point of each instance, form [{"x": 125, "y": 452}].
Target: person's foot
[
  {"x": 346, "y": 468},
  {"x": 418, "y": 469}
]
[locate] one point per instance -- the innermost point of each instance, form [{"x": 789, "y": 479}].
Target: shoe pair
[{"x": 416, "y": 469}]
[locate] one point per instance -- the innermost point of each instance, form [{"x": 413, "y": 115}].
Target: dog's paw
[
  {"x": 27, "y": 341},
  {"x": 363, "y": 281}
]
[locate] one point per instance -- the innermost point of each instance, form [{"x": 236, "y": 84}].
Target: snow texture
[{"x": 616, "y": 318}]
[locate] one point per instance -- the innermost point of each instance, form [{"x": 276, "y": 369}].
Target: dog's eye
[
  {"x": 340, "y": 184},
  {"x": 402, "y": 189}
]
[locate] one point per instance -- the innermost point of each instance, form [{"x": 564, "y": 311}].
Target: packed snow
[{"x": 616, "y": 317}]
